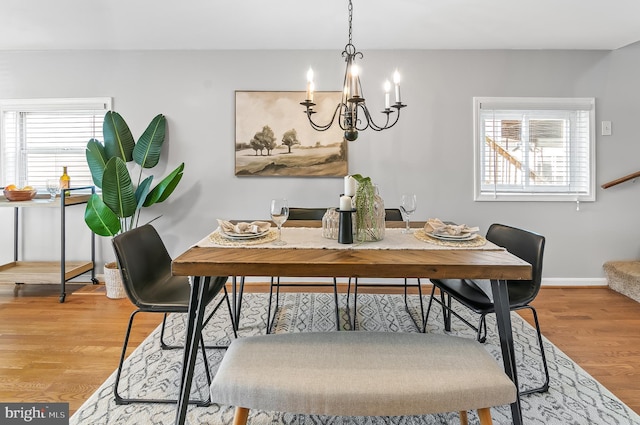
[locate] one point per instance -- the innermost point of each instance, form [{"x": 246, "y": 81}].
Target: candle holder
[{"x": 345, "y": 231}]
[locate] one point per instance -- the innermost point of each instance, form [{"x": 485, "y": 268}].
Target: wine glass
[
  {"x": 279, "y": 214},
  {"x": 408, "y": 207},
  {"x": 53, "y": 187}
]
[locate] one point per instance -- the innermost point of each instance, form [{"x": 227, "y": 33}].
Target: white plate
[
  {"x": 242, "y": 236},
  {"x": 466, "y": 237}
]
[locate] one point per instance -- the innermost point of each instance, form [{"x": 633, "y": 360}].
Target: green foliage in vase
[
  {"x": 367, "y": 225},
  {"x": 117, "y": 208}
]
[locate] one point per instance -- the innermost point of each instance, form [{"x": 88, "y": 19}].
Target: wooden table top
[{"x": 441, "y": 263}]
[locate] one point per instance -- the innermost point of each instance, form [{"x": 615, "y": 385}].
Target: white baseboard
[{"x": 574, "y": 281}]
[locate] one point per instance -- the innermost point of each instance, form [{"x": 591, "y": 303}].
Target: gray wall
[{"x": 429, "y": 152}]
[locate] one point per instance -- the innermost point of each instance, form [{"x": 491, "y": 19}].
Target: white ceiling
[{"x": 318, "y": 24}]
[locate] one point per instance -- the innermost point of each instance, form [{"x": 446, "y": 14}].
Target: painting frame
[{"x": 273, "y": 136}]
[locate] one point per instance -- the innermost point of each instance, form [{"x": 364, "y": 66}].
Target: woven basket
[{"x": 113, "y": 281}]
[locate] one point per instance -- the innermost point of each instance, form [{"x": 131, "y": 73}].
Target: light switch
[{"x": 606, "y": 128}]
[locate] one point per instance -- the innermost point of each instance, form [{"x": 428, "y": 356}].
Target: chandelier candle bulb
[
  {"x": 349, "y": 186},
  {"x": 387, "y": 89},
  {"x": 355, "y": 91},
  {"x": 396, "y": 81},
  {"x": 310, "y": 85},
  {"x": 345, "y": 203}
]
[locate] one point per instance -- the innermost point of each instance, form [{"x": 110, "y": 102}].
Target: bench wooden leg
[
  {"x": 463, "y": 418},
  {"x": 240, "y": 418},
  {"x": 485, "y": 416}
]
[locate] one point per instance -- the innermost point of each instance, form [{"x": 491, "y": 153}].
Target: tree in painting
[
  {"x": 290, "y": 138},
  {"x": 264, "y": 139}
]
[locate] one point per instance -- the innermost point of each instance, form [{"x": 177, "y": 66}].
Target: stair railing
[{"x": 621, "y": 180}]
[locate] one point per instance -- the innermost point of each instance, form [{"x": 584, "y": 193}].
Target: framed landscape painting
[{"x": 274, "y": 137}]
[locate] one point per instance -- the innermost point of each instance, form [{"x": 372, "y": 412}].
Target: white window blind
[
  {"x": 534, "y": 149},
  {"x": 40, "y": 136}
]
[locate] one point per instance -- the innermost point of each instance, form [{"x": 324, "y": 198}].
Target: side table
[{"x": 48, "y": 271}]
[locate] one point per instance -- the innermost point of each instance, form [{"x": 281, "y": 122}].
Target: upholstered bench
[{"x": 360, "y": 374}]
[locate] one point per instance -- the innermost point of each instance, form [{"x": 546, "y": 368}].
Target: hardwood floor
[{"x": 63, "y": 352}]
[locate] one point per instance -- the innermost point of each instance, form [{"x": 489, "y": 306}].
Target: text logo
[{"x": 34, "y": 413}]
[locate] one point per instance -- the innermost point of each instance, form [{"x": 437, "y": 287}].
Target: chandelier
[{"x": 352, "y": 112}]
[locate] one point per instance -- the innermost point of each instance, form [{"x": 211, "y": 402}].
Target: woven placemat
[
  {"x": 219, "y": 239},
  {"x": 420, "y": 234}
]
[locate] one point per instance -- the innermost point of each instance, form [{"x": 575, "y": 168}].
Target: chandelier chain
[{"x": 350, "y": 19}]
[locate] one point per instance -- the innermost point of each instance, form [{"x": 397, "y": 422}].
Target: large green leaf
[
  {"x": 147, "y": 151},
  {"x": 97, "y": 160},
  {"x": 165, "y": 187},
  {"x": 118, "y": 140},
  {"x": 142, "y": 191},
  {"x": 100, "y": 219},
  {"x": 117, "y": 189}
]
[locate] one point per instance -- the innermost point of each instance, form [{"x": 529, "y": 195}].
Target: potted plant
[{"x": 117, "y": 208}]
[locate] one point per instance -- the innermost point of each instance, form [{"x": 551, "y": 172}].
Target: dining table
[{"x": 308, "y": 254}]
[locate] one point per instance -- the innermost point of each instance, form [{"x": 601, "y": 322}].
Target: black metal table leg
[
  {"x": 238, "y": 306},
  {"x": 236, "y": 300},
  {"x": 503, "y": 318},
  {"x": 199, "y": 287}
]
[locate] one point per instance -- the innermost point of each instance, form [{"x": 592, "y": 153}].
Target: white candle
[
  {"x": 387, "y": 89},
  {"x": 355, "y": 90},
  {"x": 396, "y": 81},
  {"x": 310, "y": 85},
  {"x": 349, "y": 186},
  {"x": 345, "y": 203}
]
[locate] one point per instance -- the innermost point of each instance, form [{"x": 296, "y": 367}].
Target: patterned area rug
[{"x": 574, "y": 397}]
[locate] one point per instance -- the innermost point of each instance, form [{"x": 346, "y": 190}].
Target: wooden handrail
[
  {"x": 621, "y": 180},
  {"x": 506, "y": 155}
]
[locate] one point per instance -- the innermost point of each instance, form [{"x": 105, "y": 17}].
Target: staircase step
[{"x": 624, "y": 277}]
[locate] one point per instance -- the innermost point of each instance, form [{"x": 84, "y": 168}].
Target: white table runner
[{"x": 306, "y": 237}]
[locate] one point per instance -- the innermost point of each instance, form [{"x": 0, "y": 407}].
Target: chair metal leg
[
  {"x": 481, "y": 330},
  {"x": 120, "y": 400},
  {"x": 165, "y": 346},
  {"x": 481, "y": 334},
  {"x": 545, "y": 385},
  {"x": 446, "y": 310}
]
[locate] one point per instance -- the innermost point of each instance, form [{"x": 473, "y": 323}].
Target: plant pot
[{"x": 113, "y": 281}]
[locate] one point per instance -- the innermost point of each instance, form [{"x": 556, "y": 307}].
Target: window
[
  {"x": 534, "y": 149},
  {"x": 40, "y": 136}
]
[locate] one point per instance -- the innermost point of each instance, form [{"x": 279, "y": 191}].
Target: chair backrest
[
  {"x": 306, "y": 213},
  {"x": 143, "y": 260},
  {"x": 392, "y": 214},
  {"x": 529, "y": 247}
]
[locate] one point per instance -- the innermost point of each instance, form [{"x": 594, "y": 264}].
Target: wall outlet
[{"x": 606, "y": 128}]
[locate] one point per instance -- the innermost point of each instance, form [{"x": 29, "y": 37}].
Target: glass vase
[
  {"x": 330, "y": 224},
  {"x": 370, "y": 214}
]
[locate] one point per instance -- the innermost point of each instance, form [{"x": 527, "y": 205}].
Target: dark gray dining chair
[
  {"x": 145, "y": 267},
  {"x": 297, "y": 213},
  {"x": 476, "y": 294},
  {"x": 391, "y": 214}
]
